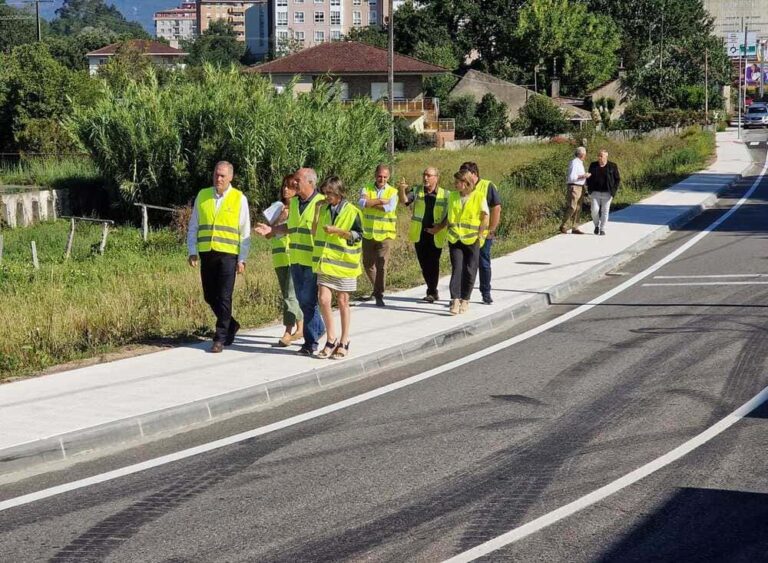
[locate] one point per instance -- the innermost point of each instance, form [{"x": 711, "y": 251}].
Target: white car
[{"x": 756, "y": 116}]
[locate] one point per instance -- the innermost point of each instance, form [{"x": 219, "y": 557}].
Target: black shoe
[
  {"x": 436, "y": 296},
  {"x": 597, "y": 230},
  {"x": 305, "y": 351},
  {"x": 602, "y": 233},
  {"x": 380, "y": 302},
  {"x": 365, "y": 298},
  {"x": 234, "y": 326},
  {"x": 487, "y": 299},
  {"x": 216, "y": 348}
]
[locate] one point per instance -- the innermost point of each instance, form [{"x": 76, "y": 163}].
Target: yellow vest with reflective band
[
  {"x": 280, "y": 257},
  {"x": 333, "y": 255},
  {"x": 377, "y": 224},
  {"x": 464, "y": 221},
  {"x": 218, "y": 230},
  {"x": 300, "y": 231},
  {"x": 419, "y": 207}
]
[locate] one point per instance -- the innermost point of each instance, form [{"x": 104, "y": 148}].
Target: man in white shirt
[
  {"x": 219, "y": 236},
  {"x": 576, "y": 178}
]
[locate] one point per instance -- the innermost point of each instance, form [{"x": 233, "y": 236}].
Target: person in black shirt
[
  {"x": 602, "y": 184},
  {"x": 432, "y": 204}
]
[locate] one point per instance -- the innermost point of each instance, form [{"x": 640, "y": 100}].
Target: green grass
[
  {"x": 68, "y": 172},
  {"x": 139, "y": 292}
]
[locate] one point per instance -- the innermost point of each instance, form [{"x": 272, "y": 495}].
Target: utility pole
[
  {"x": 36, "y": 17},
  {"x": 762, "y": 68},
  {"x": 391, "y": 83},
  {"x": 706, "y": 86},
  {"x": 741, "y": 55}
]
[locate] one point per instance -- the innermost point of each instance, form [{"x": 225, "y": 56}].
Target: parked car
[{"x": 756, "y": 116}]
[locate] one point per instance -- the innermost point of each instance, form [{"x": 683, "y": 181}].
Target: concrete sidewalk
[{"x": 59, "y": 416}]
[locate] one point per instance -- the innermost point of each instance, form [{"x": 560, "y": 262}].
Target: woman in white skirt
[{"x": 338, "y": 235}]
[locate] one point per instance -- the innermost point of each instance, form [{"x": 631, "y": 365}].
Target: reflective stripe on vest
[
  {"x": 333, "y": 255},
  {"x": 419, "y": 207},
  {"x": 378, "y": 224},
  {"x": 300, "y": 229},
  {"x": 218, "y": 230},
  {"x": 280, "y": 258},
  {"x": 464, "y": 221}
]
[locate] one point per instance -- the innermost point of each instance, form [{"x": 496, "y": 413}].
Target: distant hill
[{"x": 136, "y": 10}]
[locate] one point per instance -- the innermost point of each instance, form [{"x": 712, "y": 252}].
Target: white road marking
[
  {"x": 613, "y": 487},
  {"x": 686, "y": 284},
  {"x": 649, "y": 468},
  {"x": 713, "y": 276},
  {"x": 304, "y": 417}
]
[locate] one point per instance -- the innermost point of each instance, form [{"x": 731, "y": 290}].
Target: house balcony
[
  {"x": 413, "y": 108},
  {"x": 440, "y": 126}
]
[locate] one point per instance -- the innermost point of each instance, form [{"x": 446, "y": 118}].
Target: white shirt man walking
[{"x": 575, "y": 180}]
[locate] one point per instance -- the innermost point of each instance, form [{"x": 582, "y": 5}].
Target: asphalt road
[{"x": 436, "y": 468}]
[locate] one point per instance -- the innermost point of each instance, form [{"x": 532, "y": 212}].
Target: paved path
[{"x": 47, "y": 418}]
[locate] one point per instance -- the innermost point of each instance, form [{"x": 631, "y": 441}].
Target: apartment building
[
  {"x": 729, "y": 15},
  {"x": 235, "y": 12},
  {"x": 306, "y": 23},
  {"x": 177, "y": 24}
]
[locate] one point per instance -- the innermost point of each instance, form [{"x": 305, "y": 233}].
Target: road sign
[{"x": 734, "y": 44}]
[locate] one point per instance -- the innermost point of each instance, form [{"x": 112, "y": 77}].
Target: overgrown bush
[
  {"x": 159, "y": 145},
  {"x": 407, "y": 139},
  {"x": 542, "y": 117}
]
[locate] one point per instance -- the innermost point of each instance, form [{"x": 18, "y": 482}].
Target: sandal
[
  {"x": 341, "y": 352},
  {"x": 328, "y": 350}
]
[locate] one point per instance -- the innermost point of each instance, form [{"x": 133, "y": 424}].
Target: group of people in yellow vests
[{"x": 321, "y": 242}]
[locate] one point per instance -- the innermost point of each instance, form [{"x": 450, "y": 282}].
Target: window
[
  {"x": 319, "y": 36},
  {"x": 344, "y": 90},
  {"x": 335, "y": 2},
  {"x": 335, "y": 18},
  {"x": 319, "y": 17},
  {"x": 335, "y": 35},
  {"x": 298, "y": 1},
  {"x": 355, "y": 2},
  {"x": 299, "y": 36},
  {"x": 281, "y": 3},
  {"x": 373, "y": 18},
  {"x": 282, "y": 18},
  {"x": 379, "y": 90},
  {"x": 282, "y": 36},
  {"x": 318, "y": 1},
  {"x": 298, "y": 17},
  {"x": 372, "y": 3},
  {"x": 357, "y": 18}
]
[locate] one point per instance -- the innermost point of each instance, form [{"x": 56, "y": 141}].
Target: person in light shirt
[
  {"x": 575, "y": 180},
  {"x": 219, "y": 238}
]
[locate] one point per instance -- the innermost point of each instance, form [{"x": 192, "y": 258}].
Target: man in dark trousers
[
  {"x": 602, "y": 184},
  {"x": 494, "y": 204},
  {"x": 219, "y": 236}
]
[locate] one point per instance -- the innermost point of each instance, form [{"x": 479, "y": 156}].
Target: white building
[
  {"x": 160, "y": 54},
  {"x": 177, "y": 24},
  {"x": 729, "y": 16}
]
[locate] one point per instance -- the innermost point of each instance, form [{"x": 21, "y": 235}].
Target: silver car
[{"x": 757, "y": 116}]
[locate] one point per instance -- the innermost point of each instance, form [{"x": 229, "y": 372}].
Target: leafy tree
[
  {"x": 370, "y": 35},
  {"x": 423, "y": 24},
  {"x": 36, "y": 91},
  {"x": 541, "y": 116},
  {"x": 654, "y": 22},
  {"x": 463, "y": 109},
  {"x": 218, "y": 45},
  {"x": 75, "y": 16},
  {"x": 492, "y": 119},
  {"x": 17, "y": 27},
  {"x": 441, "y": 55},
  {"x": 583, "y": 43},
  {"x": 71, "y": 50},
  {"x": 127, "y": 65}
]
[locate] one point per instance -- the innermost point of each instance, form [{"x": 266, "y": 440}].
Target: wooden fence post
[
  {"x": 35, "y": 263},
  {"x": 70, "y": 239},
  {"x": 144, "y": 223},
  {"x": 104, "y": 232}
]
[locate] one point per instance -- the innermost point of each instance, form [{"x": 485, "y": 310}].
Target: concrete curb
[{"x": 32, "y": 456}]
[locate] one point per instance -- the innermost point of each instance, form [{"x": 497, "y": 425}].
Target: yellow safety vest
[
  {"x": 377, "y": 224},
  {"x": 280, "y": 257},
  {"x": 482, "y": 187},
  {"x": 218, "y": 230},
  {"x": 464, "y": 220},
  {"x": 419, "y": 207},
  {"x": 300, "y": 230},
  {"x": 333, "y": 255}
]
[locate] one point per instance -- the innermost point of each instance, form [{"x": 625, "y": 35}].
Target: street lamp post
[{"x": 391, "y": 82}]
